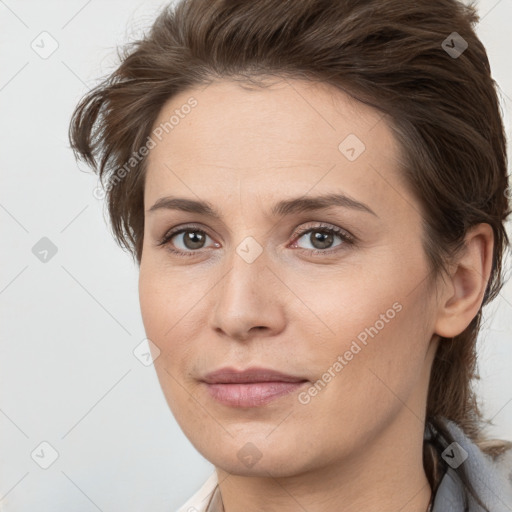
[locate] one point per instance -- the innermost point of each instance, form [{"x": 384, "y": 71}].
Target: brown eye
[
  {"x": 322, "y": 238},
  {"x": 192, "y": 239},
  {"x": 185, "y": 241}
]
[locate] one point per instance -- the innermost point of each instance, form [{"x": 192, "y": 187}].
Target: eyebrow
[{"x": 281, "y": 209}]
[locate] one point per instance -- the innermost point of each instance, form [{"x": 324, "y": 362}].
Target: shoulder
[{"x": 199, "y": 501}]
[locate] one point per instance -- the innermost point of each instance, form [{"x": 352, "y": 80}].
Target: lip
[
  {"x": 230, "y": 375},
  {"x": 252, "y": 387}
]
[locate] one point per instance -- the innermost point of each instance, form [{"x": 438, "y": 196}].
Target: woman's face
[{"x": 332, "y": 293}]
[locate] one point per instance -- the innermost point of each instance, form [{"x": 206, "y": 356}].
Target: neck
[{"x": 387, "y": 476}]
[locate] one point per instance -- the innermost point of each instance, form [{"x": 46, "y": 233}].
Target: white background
[{"x": 69, "y": 326}]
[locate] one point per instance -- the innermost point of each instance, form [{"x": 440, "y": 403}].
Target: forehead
[{"x": 291, "y": 134}]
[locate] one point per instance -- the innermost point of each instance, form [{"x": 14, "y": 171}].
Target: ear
[{"x": 464, "y": 288}]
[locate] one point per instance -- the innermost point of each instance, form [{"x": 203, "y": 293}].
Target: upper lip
[{"x": 231, "y": 375}]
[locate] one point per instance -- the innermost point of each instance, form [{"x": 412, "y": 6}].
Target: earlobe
[{"x": 464, "y": 289}]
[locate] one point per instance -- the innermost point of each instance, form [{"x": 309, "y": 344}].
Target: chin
[
  {"x": 275, "y": 466},
  {"x": 245, "y": 457}
]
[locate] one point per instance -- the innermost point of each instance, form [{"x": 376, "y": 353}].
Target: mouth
[{"x": 250, "y": 388}]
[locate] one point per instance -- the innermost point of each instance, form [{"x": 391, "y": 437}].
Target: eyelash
[{"x": 346, "y": 238}]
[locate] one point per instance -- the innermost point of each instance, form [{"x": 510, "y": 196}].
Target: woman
[{"x": 315, "y": 193}]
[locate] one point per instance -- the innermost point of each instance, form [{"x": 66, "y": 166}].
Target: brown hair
[{"x": 389, "y": 54}]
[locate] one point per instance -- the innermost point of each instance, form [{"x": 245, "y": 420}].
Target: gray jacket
[{"x": 491, "y": 479}]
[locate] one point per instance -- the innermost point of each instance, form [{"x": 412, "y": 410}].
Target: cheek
[
  {"x": 162, "y": 326},
  {"x": 383, "y": 360},
  {"x": 168, "y": 319},
  {"x": 377, "y": 338},
  {"x": 369, "y": 386},
  {"x": 159, "y": 296},
  {"x": 151, "y": 297},
  {"x": 158, "y": 306}
]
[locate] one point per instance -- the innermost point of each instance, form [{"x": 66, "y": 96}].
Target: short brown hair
[{"x": 443, "y": 108}]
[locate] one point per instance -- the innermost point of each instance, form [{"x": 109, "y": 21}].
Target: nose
[{"x": 249, "y": 300}]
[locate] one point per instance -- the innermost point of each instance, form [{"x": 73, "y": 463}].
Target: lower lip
[{"x": 253, "y": 394}]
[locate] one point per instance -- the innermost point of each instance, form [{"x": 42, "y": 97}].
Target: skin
[{"x": 357, "y": 444}]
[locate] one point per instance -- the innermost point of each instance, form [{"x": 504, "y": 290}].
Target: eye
[
  {"x": 194, "y": 238},
  {"x": 190, "y": 240},
  {"x": 321, "y": 238}
]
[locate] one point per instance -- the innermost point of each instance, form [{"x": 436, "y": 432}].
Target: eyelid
[{"x": 319, "y": 226}]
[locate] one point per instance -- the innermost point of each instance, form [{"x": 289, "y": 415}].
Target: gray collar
[{"x": 491, "y": 479}]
